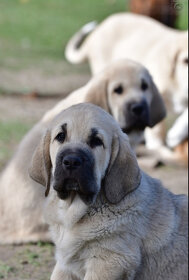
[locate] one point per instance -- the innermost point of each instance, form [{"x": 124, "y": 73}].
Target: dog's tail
[{"x": 75, "y": 49}]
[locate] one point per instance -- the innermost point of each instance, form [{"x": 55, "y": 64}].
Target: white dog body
[
  {"x": 163, "y": 50},
  {"x": 141, "y": 39}
]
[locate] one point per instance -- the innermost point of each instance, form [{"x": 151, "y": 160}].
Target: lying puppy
[
  {"x": 108, "y": 219},
  {"x": 164, "y": 51},
  {"x": 125, "y": 90}
]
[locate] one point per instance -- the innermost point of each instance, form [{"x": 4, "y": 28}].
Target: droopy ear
[
  {"x": 40, "y": 168},
  {"x": 157, "y": 107},
  {"x": 123, "y": 175},
  {"x": 97, "y": 93}
]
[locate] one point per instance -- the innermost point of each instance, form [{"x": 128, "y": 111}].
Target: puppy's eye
[
  {"x": 118, "y": 89},
  {"x": 60, "y": 137},
  {"x": 144, "y": 85},
  {"x": 95, "y": 141},
  {"x": 185, "y": 60}
]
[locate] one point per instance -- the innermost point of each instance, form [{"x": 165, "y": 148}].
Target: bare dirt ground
[
  {"x": 35, "y": 261},
  {"x": 45, "y": 77}
]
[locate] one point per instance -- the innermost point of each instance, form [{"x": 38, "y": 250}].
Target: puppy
[
  {"x": 126, "y": 90},
  {"x": 164, "y": 51},
  {"x": 108, "y": 219}
]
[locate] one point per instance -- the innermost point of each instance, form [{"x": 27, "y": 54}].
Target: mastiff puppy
[
  {"x": 163, "y": 50},
  {"x": 108, "y": 219},
  {"x": 126, "y": 91}
]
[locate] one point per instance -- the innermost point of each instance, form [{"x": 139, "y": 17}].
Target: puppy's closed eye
[
  {"x": 144, "y": 85},
  {"x": 118, "y": 89},
  {"x": 60, "y": 137},
  {"x": 95, "y": 142}
]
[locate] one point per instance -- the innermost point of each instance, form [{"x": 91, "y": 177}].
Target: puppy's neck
[
  {"x": 103, "y": 207},
  {"x": 65, "y": 213}
]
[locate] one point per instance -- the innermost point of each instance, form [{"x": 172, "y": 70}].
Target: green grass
[
  {"x": 28, "y": 261},
  {"x": 11, "y": 132},
  {"x": 40, "y": 28},
  {"x": 5, "y": 269},
  {"x": 182, "y": 22},
  {"x": 33, "y": 30},
  {"x": 33, "y": 33}
]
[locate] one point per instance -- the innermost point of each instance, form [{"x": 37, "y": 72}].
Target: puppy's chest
[
  {"x": 80, "y": 237},
  {"x": 75, "y": 250},
  {"x": 84, "y": 234},
  {"x": 87, "y": 237}
]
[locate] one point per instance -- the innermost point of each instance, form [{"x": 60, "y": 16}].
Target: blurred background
[
  {"x": 33, "y": 34},
  {"x": 34, "y": 76}
]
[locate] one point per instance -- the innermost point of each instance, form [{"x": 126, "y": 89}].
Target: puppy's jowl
[
  {"x": 74, "y": 174},
  {"x": 108, "y": 219}
]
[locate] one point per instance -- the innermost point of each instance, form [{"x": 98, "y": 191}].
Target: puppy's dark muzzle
[
  {"x": 74, "y": 173},
  {"x": 139, "y": 109},
  {"x": 137, "y": 116}
]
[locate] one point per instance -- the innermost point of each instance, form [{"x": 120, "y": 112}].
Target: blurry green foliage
[{"x": 41, "y": 28}]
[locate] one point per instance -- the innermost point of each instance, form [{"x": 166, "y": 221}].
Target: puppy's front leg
[{"x": 59, "y": 274}]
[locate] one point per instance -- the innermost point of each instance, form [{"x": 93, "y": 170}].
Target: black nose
[
  {"x": 72, "y": 161},
  {"x": 138, "y": 109}
]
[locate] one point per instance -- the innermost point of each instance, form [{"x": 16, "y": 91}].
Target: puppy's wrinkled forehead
[
  {"x": 82, "y": 119},
  {"x": 127, "y": 70}
]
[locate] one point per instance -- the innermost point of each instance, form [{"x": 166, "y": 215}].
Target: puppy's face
[
  {"x": 126, "y": 90},
  {"x": 79, "y": 152},
  {"x": 84, "y": 150},
  {"x": 130, "y": 96}
]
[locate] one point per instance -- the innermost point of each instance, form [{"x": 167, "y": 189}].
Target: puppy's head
[
  {"x": 84, "y": 152},
  {"x": 127, "y": 91}
]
